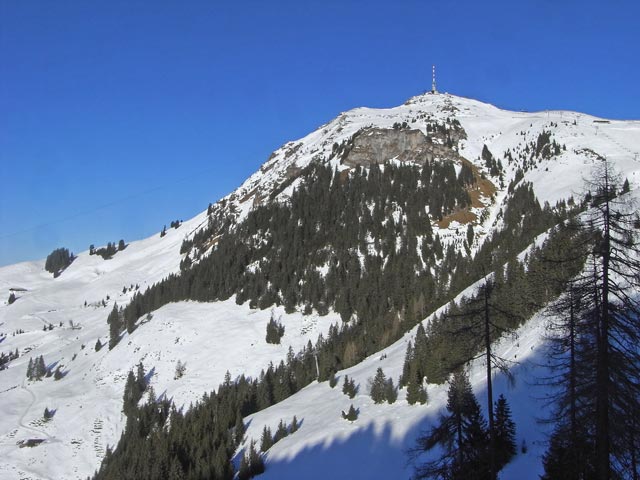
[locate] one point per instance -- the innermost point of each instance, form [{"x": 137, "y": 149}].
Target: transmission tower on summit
[{"x": 433, "y": 80}]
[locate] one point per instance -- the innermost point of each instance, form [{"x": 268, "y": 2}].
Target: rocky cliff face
[{"x": 378, "y": 145}]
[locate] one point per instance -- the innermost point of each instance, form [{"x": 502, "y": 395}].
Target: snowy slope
[
  {"x": 213, "y": 338},
  {"x": 376, "y": 444}
]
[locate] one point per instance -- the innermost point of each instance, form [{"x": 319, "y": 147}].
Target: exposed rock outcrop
[{"x": 378, "y": 145}]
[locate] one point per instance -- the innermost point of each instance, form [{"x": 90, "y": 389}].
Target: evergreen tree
[
  {"x": 266, "y": 440},
  {"x": 39, "y": 368},
  {"x": 416, "y": 392},
  {"x": 349, "y": 387},
  {"x": 30, "y": 374},
  {"x": 251, "y": 464},
  {"x": 608, "y": 323},
  {"x": 115, "y": 326},
  {"x": 390, "y": 391},
  {"x": 462, "y": 435},
  {"x": 505, "y": 433},
  {"x": 351, "y": 415},
  {"x": 294, "y": 425},
  {"x": 625, "y": 186},
  {"x": 58, "y": 260},
  {"x": 275, "y": 331},
  {"x": 378, "y": 388},
  {"x": 281, "y": 432},
  {"x": 239, "y": 429}
]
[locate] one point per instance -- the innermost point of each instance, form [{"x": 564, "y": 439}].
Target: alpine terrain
[{"x": 333, "y": 317}]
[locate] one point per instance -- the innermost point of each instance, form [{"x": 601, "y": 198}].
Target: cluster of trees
[
  {"x": 494, "y": 166},
  {"x": 545, "y": 146},
  {"x": 109, "y": 251},
  {"x": 58, "y": 260},
  {"x": 134, "y": 388},
  {"x": 514, "y": 294},
  {"x": 380, "y": 214},
  {"x": 594, "y": 355},
  {"x": 351, "y": 415},
  {"x": 463, "y": 437},
  {"x": 349, "y": 387},
  {"x": 251, "y": 463},
  {"x": 174, "y": 224},
  {"x": 5, "y": 358},
  {"x": 267, "y": 440},
  {"x": 275, "y": 330},
  {"x": 382, "y": 389},
  {"x": 119, "y": 320},
  {"x": 36, "y": 368}
]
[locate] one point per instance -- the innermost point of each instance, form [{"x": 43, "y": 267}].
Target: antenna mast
[{"x": 433, "y": 81}]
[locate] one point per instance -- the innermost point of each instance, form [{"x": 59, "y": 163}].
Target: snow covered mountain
[{"x": 63, "y": 318}]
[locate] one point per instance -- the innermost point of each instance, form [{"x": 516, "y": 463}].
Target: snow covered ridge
[
  {"x": 508, "y": 135},
  {"x": 212, "y": 338}
]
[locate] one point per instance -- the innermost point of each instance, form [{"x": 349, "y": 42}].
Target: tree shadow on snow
[{"x": 373, "y": 452}]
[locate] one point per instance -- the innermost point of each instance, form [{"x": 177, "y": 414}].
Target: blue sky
[{"x": 117, "y": 117}]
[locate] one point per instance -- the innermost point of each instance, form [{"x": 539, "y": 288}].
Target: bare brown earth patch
[{"x": 482, "y": 188}]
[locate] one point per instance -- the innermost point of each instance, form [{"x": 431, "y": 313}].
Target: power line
[{"x": 104, "y": 206}]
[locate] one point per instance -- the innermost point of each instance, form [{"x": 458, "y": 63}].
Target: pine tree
[
  {"x": 58, "y": 260},
  {"x": 40, "y": 369},
  {"x": 251, "y": 464},
  {"x": 505, "y": 433},
  {"x": 349, "y": 387},
  {"x": 595, "y": 433},
  {"x": 416, "y": 392},
  {"x": 378, "y": 387},
  {"x": 294, "y": 425},
  {"x": 351, "y": 415},
  {"x": 239, "y": 429},
  {"x": 275, "y": 331},
  {"x": 618, "y": 320},
  {"x": 115, "y": 326},
  {"x": 390, "y": 391},
  {"x": 281, "y": 432},
  {"x": 266, "y": 440},
  {"x": 462, "y": 436}
]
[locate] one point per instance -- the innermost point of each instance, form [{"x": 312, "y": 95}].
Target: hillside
[{"x": 481, "y": 154}]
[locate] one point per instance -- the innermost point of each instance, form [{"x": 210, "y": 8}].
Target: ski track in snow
[{"x": 216, "y": 337}]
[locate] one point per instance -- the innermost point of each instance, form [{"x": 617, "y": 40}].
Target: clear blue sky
[{"x": 117, "y": 117}]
